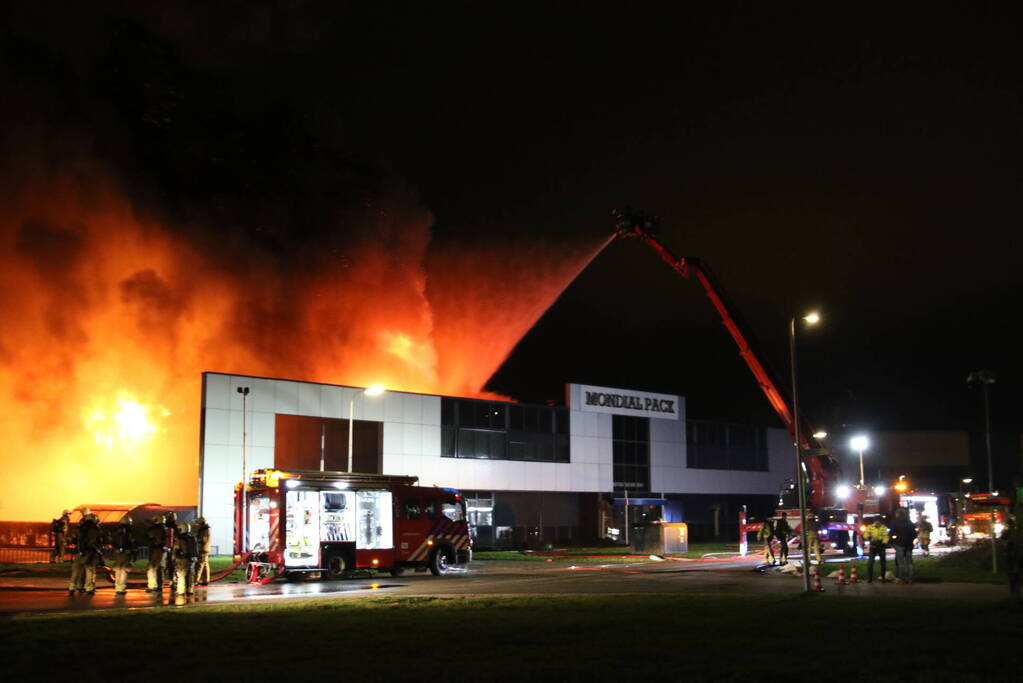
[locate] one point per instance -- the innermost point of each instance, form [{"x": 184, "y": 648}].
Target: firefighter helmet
[
  {"x": 157, "y": 519},
  {"x": 183, "y": 528},
  {"x": 126, "y": 520},
  {"x": 65, "y": 513},
  {"x": 200, "y": 521},
  {"x": 92, "y": 518}
]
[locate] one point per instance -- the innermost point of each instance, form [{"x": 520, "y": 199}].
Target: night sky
[{"x": 859, "y": 163}]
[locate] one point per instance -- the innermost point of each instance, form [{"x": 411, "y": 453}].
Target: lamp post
[
  {"x": 372, "y": 390},
  {"x": 987, "y": 378},
  {"x": 810, "y": 319},
  {"x": 244, "y": 391},
  {"x": 860, "y": 443}
]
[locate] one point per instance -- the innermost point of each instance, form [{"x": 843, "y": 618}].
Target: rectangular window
[
  {"x": 722, "y": 446},
  {"x": 630, "y": 450},
  {"x": 412, "y": 510},
  {"x": 499, "y": 431}
]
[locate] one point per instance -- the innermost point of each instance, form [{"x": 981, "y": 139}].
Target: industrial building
[{"x": 531, "y": 474}]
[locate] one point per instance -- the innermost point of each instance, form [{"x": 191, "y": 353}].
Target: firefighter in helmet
[
  {"x": 813, "y": 538},
  {"x": 766, "y": 534},
  {"x": 170, "y": 523},
  {"x": 185, "y": 554},
  {"x": 59, "y": 528},
  {"x": 782, "y": 531},
  {"x": 203, "y": 540},
  {"x": 88, "y": 555},
  {"x": 156, "y": 535},
  {"x": 123, "y": 543}
]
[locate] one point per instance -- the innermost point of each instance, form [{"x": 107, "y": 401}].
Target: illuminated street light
[
  {"x": 244, "y": 391},
  {"x": 811, "y": 319},
  {"x": 968, "y": 480},
  {"x": 820, "y": 435},
  {"x": 860, "y": 443},
  {"x": 371, "y": 390},
  {"x": 901, "y": 485}
]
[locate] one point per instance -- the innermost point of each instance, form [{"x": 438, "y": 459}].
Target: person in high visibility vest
[
  {"x": 876, "y": 537},
  {"x": 766, "y": 534}
]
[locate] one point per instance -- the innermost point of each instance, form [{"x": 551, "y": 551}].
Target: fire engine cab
[{"x": 300, "y": 521}]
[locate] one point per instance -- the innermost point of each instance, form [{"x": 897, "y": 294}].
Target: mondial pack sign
[{"x": 628, "y": 402}]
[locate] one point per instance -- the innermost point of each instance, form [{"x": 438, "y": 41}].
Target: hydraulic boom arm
[{"x": 821, "y": 468}]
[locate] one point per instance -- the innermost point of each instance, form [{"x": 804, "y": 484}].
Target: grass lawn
[{"x": 723, "y": 638}]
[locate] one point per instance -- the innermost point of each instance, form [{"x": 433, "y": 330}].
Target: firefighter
[
  {"x": 170, "y": 524},
  {"x": 203, "y": 540},
  {"x": 156, "y": 535},
  {"x": 123, "y": 543},
  {"x": 88, "y": 555},
  {"x": 924, "y": 529},
  {"x": 185, "y": 555},
  {"x": 59, "y": 528},
  {"x": 813, "y": 538},
  {"x": 876, "y": 536},
  {"x": 782, "y": 531},
  {"x": 766, "y": 534}
]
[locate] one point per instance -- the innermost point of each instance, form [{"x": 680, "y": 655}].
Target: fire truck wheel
[
  {"x": 337, "y": 568},
  {"x": 397, "y": 571},
  {"x": 440, "y": 561}
]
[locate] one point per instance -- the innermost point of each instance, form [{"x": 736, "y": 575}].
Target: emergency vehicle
[{"x": 330, "y": 523}]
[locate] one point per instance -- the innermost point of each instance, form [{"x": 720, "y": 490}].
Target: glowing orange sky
[{"x": 109, "y": 319}]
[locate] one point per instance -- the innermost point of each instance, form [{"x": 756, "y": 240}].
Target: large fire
[{"x": 109, "y": 317}]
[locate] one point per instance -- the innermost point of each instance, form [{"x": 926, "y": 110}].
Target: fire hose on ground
[{"x": 214, "y": 576}]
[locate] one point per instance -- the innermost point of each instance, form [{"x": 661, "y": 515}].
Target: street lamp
[
  {"x": 987, "y": 378},
  {"x": 372, "y": 390},
  {"x": 244, "y": 391},
  {"x": 860, "y": 443},
  {"x": 811, "y": 319}
]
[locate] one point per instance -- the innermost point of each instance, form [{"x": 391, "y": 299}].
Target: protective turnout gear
[
  {"x": 123, "y": 543},
  {"x": 782, "y": 531},
  {"x": 170, "y": 523},
  {"x": 813, "y": 539},
  {"x": 156, "y": 536},
  {"x": 924, "y": 535},
  {"x": 186, "y": 552},
  {"x": 88, "y": 555},
  {"x": 766, "y": 534},
  {"x": 876, "y": 537},
  {"x": 203, "y": 539},
  {"x": 59, "y": 529}
]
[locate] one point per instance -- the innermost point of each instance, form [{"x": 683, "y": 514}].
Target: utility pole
[{"x": 986, "y": 378}]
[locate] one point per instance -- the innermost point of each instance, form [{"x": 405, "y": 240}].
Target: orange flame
[{"x": 109, "y": 319}]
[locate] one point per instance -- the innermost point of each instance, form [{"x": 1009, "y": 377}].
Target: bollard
[
  {"x": 841, "y": 575},
  {"x": 852, "y": 573}
]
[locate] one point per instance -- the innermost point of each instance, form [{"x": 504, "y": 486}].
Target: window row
[
  {"x": 489, "y": 444},
  {"x": 721, "y": 446},
  {"x": 507, "y": 416}
]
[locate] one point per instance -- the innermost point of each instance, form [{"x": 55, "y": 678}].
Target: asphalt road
[{"x": 19, "y": 595}]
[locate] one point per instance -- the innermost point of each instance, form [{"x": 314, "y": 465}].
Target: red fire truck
[{"x": 329, "y": 523}]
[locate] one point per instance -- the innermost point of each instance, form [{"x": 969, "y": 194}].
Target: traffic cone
[
  {"x": 841, "y": 575},
  {"x": 817, "y": 587},
  {"x": 852, "y": 573}
]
